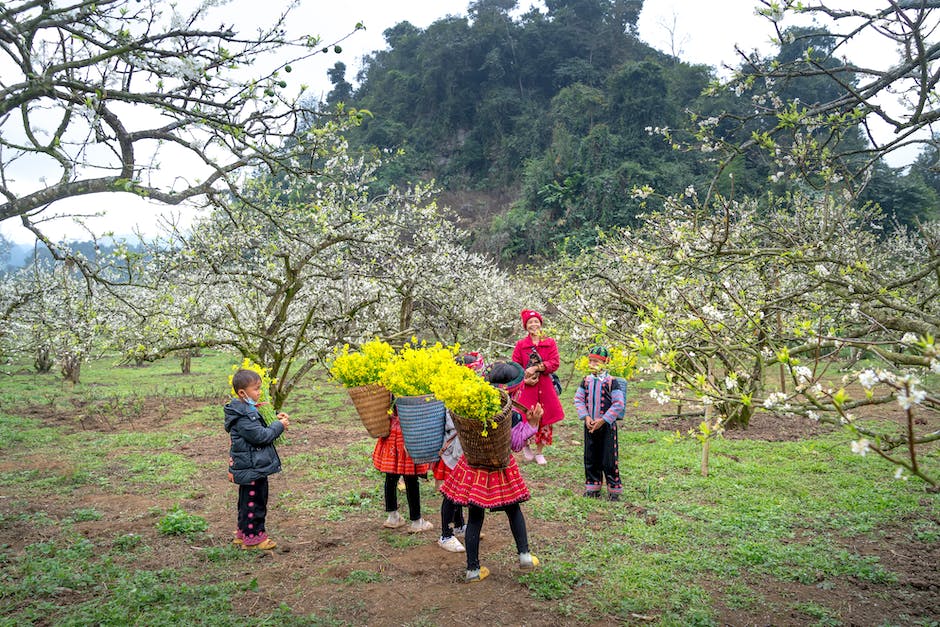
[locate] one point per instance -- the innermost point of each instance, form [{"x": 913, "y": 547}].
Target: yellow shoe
[
  {"x": 483, "y": 574},
  {"x": 527, "y": 565},
  {"x": 265, "y": 545}
]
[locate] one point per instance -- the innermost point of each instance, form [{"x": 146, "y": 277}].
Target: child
[
  {"x": 452, "y": 520},
  {"x": 600, "y": 401},
  {"x": 503, "y": 489},
  {"x": 390, "y": 457},
  {"x": 252, "y": 457}
]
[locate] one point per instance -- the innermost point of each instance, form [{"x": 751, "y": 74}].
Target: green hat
[{"x": 600, "y": 352}]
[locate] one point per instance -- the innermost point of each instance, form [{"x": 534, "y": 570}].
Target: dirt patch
[{"x": 358, "y": 572}]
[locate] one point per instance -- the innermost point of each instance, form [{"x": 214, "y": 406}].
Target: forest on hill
[{"x": 538, "y": 127}]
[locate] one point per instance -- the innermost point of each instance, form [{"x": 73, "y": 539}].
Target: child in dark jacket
[{"x": 252, "y": 458}]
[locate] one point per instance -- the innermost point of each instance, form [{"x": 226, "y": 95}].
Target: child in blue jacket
[
  {"x": 252, "y": 458},
  {"x": 600, "y": 402}
]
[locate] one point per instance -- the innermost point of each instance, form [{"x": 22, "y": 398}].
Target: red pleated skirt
[
  {"x": 390, "y": 455},
  {"x": 488, "y": 489}
]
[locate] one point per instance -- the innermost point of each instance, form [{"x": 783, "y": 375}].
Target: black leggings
[
  {"x": 451, "y": 517},
  {"x": 411, "y": 492},
  {"x": 475, "y": 523}
]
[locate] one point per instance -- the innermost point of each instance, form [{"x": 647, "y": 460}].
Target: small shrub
[
  {"x": 84, "y": 514},
  {"x": 178, "y": 522},
  {"x": 127, "y": 542}
]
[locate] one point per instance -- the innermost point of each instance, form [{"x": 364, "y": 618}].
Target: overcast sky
[{"x": 701, "y": 32}]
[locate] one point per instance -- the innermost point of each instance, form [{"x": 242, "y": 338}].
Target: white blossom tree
[{"x": 140, "y": 97}]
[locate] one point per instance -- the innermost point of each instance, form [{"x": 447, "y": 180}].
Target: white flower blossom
[
  {"x": 731, "y": 383},
  {"x": 774, "y": 399},
  {"x": 868, "y": 379},
  {"x": 909, "y": 339},
  {"x": 821, "y": 270},
  {"x": 659, "y": 396},
  {"x": 935, "y": 366},
  {"x": 916, "y": 397},
  {"x": 860, "y": 447},
  {"x": 803, "y": 375},
  {"x": 899, "y": 473},
  {"x": 812, "y": 416}
]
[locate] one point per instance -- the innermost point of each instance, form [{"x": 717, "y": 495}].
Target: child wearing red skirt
[
  {"x": 390, "y": 457},
  {"x": 504, "y": 489}
]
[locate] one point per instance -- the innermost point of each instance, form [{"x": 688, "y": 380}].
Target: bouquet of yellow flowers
[
  {"x": 467, "y": 394},
  {"x": 362, "y": 367},
  {"x": 410, "y": 373}
]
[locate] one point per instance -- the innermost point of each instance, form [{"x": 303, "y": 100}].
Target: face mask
[{"x": 251, "y": 402}]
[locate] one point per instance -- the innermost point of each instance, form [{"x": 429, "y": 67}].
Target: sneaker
[
  {"x": 613, "y": 497},
  {"x": 527, "y": 561},
  {"x": 237, "y": 538},
  {"x": 417, "y": 526},
  {"x": 394, "y": 521},
  {"x": 460, "y": 531},
  {"x": 540, "y": 460},
  {"x": 592, "y": 494},
  {"x": 474, "y": 576},
  {"x": 451, "y": 544},
  {"x": 265, "y": 545},
  {"x": 527, "y": 453}
]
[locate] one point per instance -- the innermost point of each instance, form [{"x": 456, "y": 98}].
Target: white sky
[{"x": 702, "y": 32}]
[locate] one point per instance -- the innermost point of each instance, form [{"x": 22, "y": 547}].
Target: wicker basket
[
  {"x": 372, "y": 403},
  {"x": 491, "y": 452},
  {"x": 422, "y": 426}
]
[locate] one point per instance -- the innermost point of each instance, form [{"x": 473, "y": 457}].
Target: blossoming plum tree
[{"x": 141, "y": 97}]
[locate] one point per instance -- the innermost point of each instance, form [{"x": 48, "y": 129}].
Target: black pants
[
  {"x": 601, "y": 455},
  {"x": 412, "y": 493},
  {"x": 253, "y": 509},
  {"x": 451, "y": 517},
  {"x": 475, "y": 524}
]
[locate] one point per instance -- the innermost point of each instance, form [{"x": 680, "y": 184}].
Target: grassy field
[{"x": 114, "y": 510}]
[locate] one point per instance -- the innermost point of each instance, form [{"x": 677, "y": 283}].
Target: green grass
[{"x": 778, "y": 513}]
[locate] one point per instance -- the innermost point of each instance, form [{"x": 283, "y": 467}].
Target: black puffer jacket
[{"x": 252, "y": 455}]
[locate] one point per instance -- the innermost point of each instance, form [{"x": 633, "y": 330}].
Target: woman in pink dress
[{"x": 538, "y": 354}]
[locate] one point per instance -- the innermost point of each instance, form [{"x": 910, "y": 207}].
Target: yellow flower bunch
[
  {"x": 411, "y": 371},
  {"x": 362, "y": 367},
  {"x": 467, "y": 394},
  {"x": 264, "y": 401},
  {"x": 622, "y": 363}
]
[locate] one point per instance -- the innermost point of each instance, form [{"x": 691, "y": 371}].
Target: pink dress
[{"x": 543, "y": 391}]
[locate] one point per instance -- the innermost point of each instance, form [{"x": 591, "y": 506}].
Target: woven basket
[
  {"x": 422, "y": 426},
  {"x": 372, "y": 403},
  {"x": 491, "y": 452}
]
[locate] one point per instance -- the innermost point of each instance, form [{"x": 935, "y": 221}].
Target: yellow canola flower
[
  {"x": 467, "y": 394},
  {"x": 363, "y": 367},
  {"x": 410, "y": 373}
]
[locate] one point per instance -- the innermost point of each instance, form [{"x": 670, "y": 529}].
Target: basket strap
[{"x": 446, "y": 444}]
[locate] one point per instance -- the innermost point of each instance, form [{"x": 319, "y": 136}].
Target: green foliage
[
  {"x": 675, "y": 548},
  {"x": 179, "y": 522}
]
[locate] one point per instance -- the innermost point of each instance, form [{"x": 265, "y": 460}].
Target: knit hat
[
  {"x": 505, "y": 375},
  {"x": 528, "y": 314},
  {"x": 599, "y": 352}
]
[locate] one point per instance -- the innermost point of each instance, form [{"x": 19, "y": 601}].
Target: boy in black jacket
[{"x": 252, "y": 458}]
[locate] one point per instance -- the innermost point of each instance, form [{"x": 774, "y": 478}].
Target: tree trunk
[
  {"x": 71, "y": 368},
  {"x": 186, "y": 362},
  {"x": 44, "y": 361}
]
